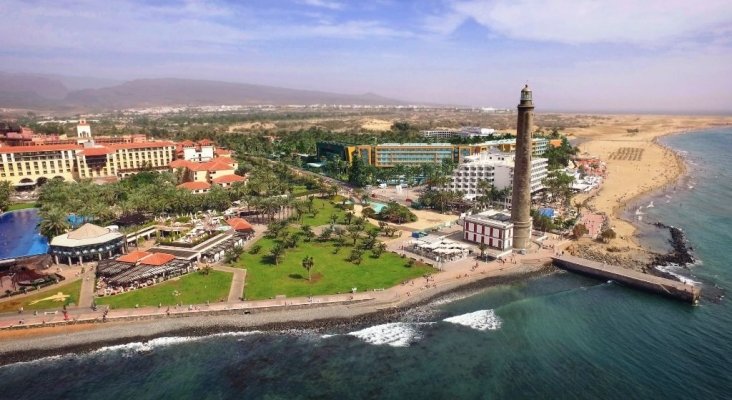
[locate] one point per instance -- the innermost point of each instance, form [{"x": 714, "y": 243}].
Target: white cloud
[
  {"x": 646, "y": 22},
  {"x": 331, "y": 5}
]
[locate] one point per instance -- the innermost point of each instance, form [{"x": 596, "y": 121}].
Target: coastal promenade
[{"x": 453, "y": 275}]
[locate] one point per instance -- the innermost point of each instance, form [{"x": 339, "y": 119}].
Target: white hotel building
[{"x": 496, "y": 168}]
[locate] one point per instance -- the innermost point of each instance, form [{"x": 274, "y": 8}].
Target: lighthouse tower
[
  {"x": 521, "y": 198},
  {"x": 83, "y": 130}
]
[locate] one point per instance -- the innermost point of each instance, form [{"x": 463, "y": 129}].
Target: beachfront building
[
  {"x": 497, "y": 168},
  {"x": 492, "y": 228},
  {"x": 139, "y": 269},
  {"x": 87, "y": 243}
]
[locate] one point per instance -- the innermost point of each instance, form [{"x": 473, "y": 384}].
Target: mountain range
[{"x": 51, "y": 92}]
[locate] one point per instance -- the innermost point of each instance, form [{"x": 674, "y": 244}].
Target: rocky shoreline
[{"x": 338, "y": 319}]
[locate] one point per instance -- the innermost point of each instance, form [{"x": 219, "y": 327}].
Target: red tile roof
[
  {"x": 157, "y": 259},
  {"x": 187, "y": 143},
  {"x": 133, "y": 257},
  {"x": 218, "y": 164},
  {"x": 179, "y": 164},
  {"x": 195, "y": 185},
  {"x": 141, "y": 145},
  {"x": 41, "y": 148},
  {"x": 229, "y": 179},
  {"x": 205, "y": 142},
  {"x": 97, "y": 151},
  {"x": 240, "y": 224}
]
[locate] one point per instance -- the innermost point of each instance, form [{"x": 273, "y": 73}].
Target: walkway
[
  {"x": 86, "y": 296},
  {"x": 237, "y": 282}
]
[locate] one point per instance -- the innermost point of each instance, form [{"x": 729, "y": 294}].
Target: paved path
[
  {"x": 86, "y": 296},
  {"x": 237, "y": 282}
]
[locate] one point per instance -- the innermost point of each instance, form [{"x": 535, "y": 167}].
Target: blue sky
[{"x": 651, "y": 55}]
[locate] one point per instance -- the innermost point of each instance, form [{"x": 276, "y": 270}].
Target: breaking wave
[
  {"x": 482, "y": 320},
  {"x": 395, "y": 334}
]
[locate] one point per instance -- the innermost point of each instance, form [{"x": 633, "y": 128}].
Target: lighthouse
[{"x": 521, "y": 197}]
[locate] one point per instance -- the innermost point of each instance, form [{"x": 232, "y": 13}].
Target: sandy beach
[{"x": 653, "y": 168}]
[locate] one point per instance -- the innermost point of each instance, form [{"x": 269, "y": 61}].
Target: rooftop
[
  {"x": 229, "y": 179},
  {"x": 195, "y": 185},
  {"x": 492, "y": 216},
  {"x": 239, "y": 224}
]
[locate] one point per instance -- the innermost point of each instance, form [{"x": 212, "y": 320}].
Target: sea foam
[
  {"x": 395, "y": 334},
  {"x": 668, "y": 269},
  {"x": 482, "y": 320}
]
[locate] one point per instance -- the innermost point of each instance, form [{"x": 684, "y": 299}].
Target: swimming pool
[
  {"x": 19, "y": 234},
  {"x": 377, "y": 206}
]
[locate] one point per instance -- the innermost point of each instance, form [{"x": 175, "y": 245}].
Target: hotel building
[
  {"x": 115, "y": 158},
  {"x": 496, "y": 168},
  {"x": 31, "y": 165},
  {"x": 392, "y": 154}
]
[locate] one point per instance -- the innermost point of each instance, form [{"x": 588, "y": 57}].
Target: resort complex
[
  {"x": 156, "y": 222},
  {"x": 28, "y": 163}
]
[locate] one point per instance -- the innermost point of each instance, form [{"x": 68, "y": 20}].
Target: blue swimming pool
[
  {"x": 377, "y": 206},
  {"x": 19, "y": 234}
]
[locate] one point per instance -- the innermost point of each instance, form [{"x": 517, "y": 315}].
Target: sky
[{"x": 580, "y": 55}]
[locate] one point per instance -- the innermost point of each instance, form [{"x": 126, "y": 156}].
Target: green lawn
[
  {"x": 194, "y": 288},
  {"x": 72, "y": 289},
  {"x": 20, "y": 206},
  {"x": 325, "y": 209},
  {"x": 331, "y": 273}
]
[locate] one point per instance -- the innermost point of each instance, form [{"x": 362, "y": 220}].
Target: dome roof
[{"x": 526, "y": 88}]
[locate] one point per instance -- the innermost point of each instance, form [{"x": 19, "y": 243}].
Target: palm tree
[
  {"x": 378, "y": 249},
  {"x": 333, "y": 220},
  {"x": 53, "y": 223},
  {"x": 308, "y": 232},
  {"x": 482, "y": 247},
  {"x": 354, "y": 233},
  {"x": 276, "y": 252},
  {"x": 308, "y": 264}
]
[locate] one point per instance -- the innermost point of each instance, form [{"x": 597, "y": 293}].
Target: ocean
[{"x": 560, "y": 336}]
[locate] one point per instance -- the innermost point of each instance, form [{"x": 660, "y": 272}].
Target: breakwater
[{"x": 635, "y": 279}]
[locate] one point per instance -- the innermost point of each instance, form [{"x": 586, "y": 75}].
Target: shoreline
[
  {"x": 31, "y": 344},
  {"x": 656, "y": 179},
  {"x": 341, "y": 317}
]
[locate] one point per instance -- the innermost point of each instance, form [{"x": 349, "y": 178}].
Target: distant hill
[{"x": 43, "y": 91}]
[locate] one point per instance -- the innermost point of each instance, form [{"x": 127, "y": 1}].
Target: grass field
[
  {"x": 194, "y": 288},
  {"x": 325, "y": 209},
  {"x": 71, "y": 289},
  {"x": 331, "y": 273},
  {"x": 20, "y": 206}
]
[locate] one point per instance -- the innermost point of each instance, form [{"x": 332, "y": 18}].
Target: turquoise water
[
  {"x": 19, "y": 234},
  {"x": 557, "y": 337},
  {"x": 377, "y": 206}
]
